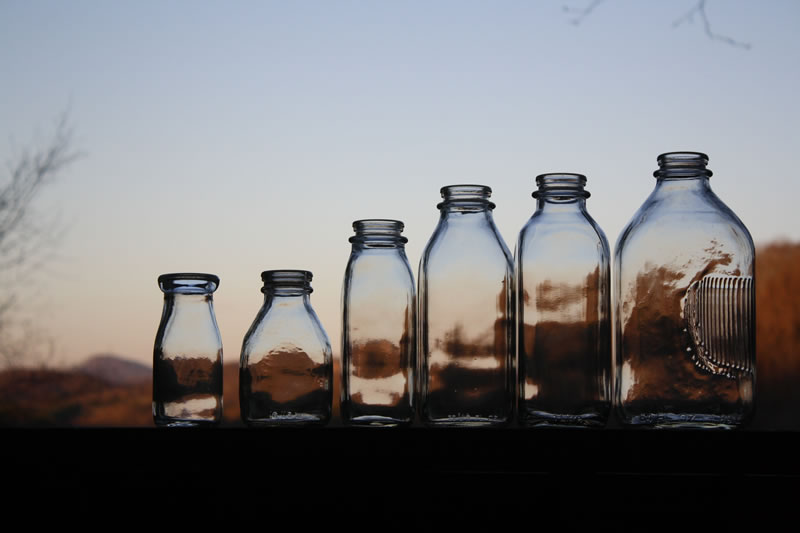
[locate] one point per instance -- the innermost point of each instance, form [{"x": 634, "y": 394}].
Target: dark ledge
[{"x": 718, "y": 475}]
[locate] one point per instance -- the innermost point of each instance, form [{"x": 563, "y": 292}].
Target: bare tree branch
[
  {"x": 700, "y": 10},
  {"x": 26, "y": 236},
  {"x": 582, "y": 13}
]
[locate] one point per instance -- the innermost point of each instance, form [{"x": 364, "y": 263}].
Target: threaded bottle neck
[
  {"x": 561, "y": 186},
  {"x": 678, "y": 165},
  {"x": 378, "y": 233},
  {"x": 286, "y": 282},
  {"x": 466, "y": 198}
]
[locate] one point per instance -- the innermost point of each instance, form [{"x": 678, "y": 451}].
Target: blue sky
[{"x": 237, "y": 137}]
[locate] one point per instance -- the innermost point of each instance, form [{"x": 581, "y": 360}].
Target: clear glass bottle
[
  {"x": 187, "y": 357},
  {"x": 466, "y": 323},
  {"x": 378, "y": 327},
  {"x": 684, "y": 302},
  {"x": 563, "y": 294},
  {"x": 286, "y": 368}
]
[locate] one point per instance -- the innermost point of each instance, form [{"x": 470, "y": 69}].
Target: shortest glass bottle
[
  {"x": 286, "y": 368},
  {"x": 187, "y": 357}
]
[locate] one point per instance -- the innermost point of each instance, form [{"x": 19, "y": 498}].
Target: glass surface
[
  {"x": 286, "y": 368},
  {"x": 187, "y": 357},
  {"x": 378, "y": 327},
  {"x": 466, "y": 324},
  {"x": 563, "y": 292},
  {"x": 684, "y": 291}
]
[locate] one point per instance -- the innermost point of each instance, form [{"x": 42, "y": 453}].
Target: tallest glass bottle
[
  {"x": 684, "y": 304},
  {"x": 465, "y": 315}
]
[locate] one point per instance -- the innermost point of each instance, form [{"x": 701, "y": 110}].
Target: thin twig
[
  {"x": 582, "y": 13},
  {"x": 700, "y": 9}
]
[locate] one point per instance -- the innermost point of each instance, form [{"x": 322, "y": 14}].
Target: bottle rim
[
  {"x": 188, "y": 282},
  {"x": 378, "y": 231},
  {"x": 466, "y": 194},
  {"x": 287, "y": 279},
  {"x": 561, "y": 184},
  {"x": 682, "y": 164}
]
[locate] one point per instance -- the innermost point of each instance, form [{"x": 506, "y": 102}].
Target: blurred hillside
[
  {"x": 110, "y": 391},
  {"x": 778, "y": 336}
]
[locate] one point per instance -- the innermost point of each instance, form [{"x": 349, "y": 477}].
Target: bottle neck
[
  {"x": 465, "y": 200},
  {"x": 682, "y": 173},
  {"x": 284, "y": 299},
  {"x": 561, "y": 193},
  {"x": 188, "y": 284},
  {"x": 682, "y": 166},
  {"x": 287, "y": 284},
  {"x": 378, "y": 234}
]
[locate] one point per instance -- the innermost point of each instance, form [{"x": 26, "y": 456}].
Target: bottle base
[
  {"x": 684, "y": 421},
  {"x": 189, "y": 411},
  {"x": 376, "y": 421},
  {"x": 183, "y": 423},
  {"x": 466, "y": 421},
  {"x": 287, "y": 420},
  {"x": 545, "y": 419}
]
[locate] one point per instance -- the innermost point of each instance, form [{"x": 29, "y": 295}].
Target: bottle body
[
  {"x": 286, "y": 365},
  {"x": 563, "y": 295},
  {"x": 466, "y": 325},
  {"x": 378, "y": 328},
  {"x": 685, "y": 306},
  {"x": 187, "y": 356}
]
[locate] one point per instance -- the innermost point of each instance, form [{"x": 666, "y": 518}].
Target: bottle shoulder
[
  {"x": 683, "y": 216},
  {"x": 295, "y": 327},
  {"x": 572, "y": 230},
  {"x": 467, "y": 245}
]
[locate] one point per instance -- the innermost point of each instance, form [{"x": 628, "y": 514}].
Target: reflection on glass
[
  {"x": 187, "y": 357},
  {"x": 684, "y": 304},
  {"x": 465, "y": 315},
  {"x": 378, "y": 323},
  {"x": 563, "y": 309},
  {"x": 285, "y": 372}
]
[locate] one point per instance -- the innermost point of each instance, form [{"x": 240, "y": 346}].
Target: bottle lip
[
  {"x": 683, "y": 164},
  {"x": 561, "y": 185},
  {"x": 188, "y": 283},
  {"x": 287, "y": 279},
  {"x": 378, "y": 231},
  {"x": 466, "y": 195}
]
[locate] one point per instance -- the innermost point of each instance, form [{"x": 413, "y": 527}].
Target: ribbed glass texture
[
  {"x": 684, "y": 296},
  {"x": 466, "y": 323},
  {"x": 563, "y": 295},
  {"x": 378, "y": 327},
  {"x": 286, "y": 367},
  {"x": 187, "y": 356}
]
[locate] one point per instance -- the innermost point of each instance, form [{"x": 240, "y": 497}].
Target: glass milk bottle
[
  {"x": 187, "y": 357},
  {"x": 563, "y": 294},
  {"x": 466, "y": 323},
  {"x": 286, "y": 368},
  {"x": 684, "y": 302},
  {"x": 378, "y": 326}
]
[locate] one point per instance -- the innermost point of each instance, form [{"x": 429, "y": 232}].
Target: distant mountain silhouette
[{"x": 115, "y": 369}]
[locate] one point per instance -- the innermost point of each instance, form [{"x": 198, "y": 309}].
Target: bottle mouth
[
  {"x": 565, "y": 185},
  {"x": 277, "y": 280},
  {"x": 188, "y": 283},
  {"x": 466, "y": 196},
  {"x": 378, "y": 231},
  {"x": 682, "y": 165}
]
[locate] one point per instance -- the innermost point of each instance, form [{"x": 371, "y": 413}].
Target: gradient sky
[{"x": 242, "y": 136}]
